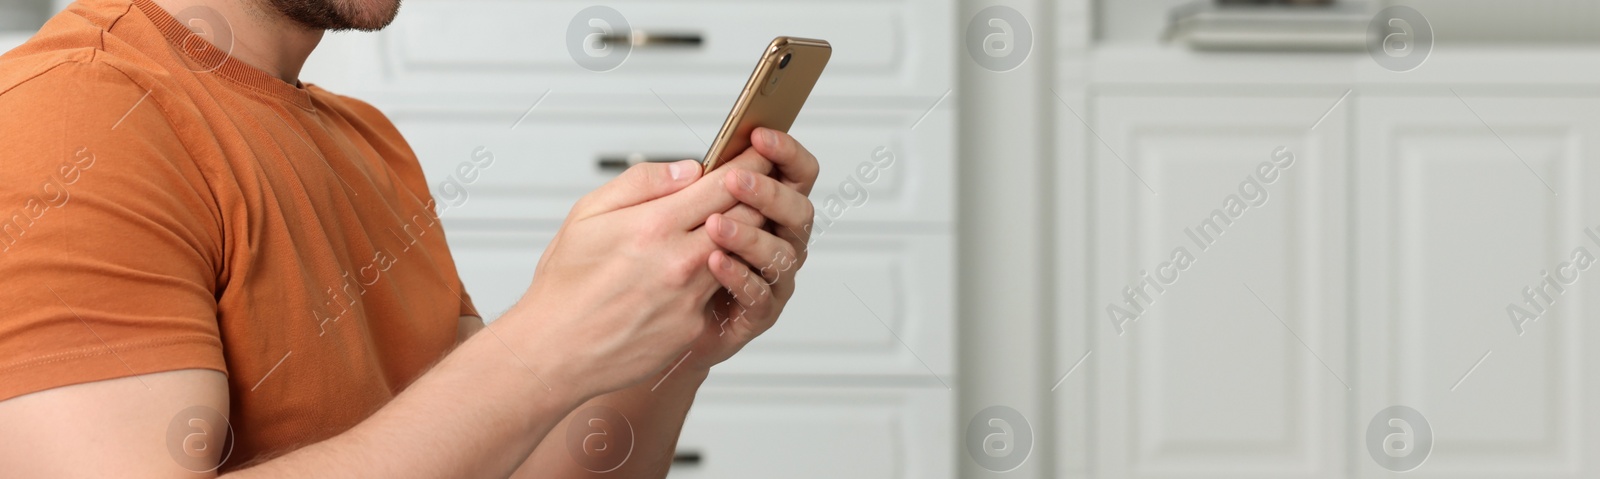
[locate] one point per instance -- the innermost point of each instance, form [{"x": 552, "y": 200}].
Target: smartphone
[{"x": 772, "y": 97}]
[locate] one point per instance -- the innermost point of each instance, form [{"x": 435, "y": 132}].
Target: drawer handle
[
  {"x": 641, "y": 38},
  {"x": 686, "y": 458},
  {"x": 617, "y": 163}
]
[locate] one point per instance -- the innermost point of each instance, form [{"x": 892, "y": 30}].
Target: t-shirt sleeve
[
  {"x": 467, "y": 309},
  {"x": 109, "y": 240}
]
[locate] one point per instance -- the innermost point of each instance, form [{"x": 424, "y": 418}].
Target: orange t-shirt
[{"x": 163, "y": 207}]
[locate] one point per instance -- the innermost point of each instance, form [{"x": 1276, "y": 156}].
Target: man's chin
[
  {"x": 367, "y": 15},
  {"x": 337, "y": 15}
]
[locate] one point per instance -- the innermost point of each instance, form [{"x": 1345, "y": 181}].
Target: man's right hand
[{"x": 621, "y": 290}]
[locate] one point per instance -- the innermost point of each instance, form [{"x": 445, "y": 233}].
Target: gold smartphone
[{"x": 772, "y": 98}]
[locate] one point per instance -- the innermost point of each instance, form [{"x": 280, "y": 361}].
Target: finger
[
  {"x": 750, "y": 159},
  {"x": 745, "y": 214},
  {"x": 798, "y": 165},
  {"x": 638, "y": 184},
  {"x": 747, "y": 288},
  {"x": 690, "y": 206},
  {"x": 775, "y": 200},
  {"x": 772, "y": 257},
  {"x": 693, "y": 249}
]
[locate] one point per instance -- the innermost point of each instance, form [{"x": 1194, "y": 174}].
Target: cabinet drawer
[
  {"x": 881, "y": 47},
  {"x": 782, "y": 433},
  {"x": 853, "y": 289},
  {"x": 555, "y": 156}
]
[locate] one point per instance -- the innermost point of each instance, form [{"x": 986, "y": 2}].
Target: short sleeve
[
  {"x": 109, "y": 240},
  {"x": 467, "y": 309}
]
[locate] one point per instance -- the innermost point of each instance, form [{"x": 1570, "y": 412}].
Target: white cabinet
[
  {"x": 1404, "y": 256},
  {"x": 1235, "y": 365}
]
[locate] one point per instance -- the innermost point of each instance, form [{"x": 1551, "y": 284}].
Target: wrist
[
  {"x": 536, "y": 359},
  {"x": 703, "y": 363},
  {"x": 507, "y": 384},
  {"x": 683, "y": 378},
  {"x": 692, "y": 373}
]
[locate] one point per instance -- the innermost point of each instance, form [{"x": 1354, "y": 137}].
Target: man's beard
[{"x": 336, "y": 15}]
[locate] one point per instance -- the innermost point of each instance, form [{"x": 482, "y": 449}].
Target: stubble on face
[{"x": 337, "y": 15}]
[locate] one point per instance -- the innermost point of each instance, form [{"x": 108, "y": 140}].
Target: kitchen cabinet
[{"x": 1389, "y": 267}]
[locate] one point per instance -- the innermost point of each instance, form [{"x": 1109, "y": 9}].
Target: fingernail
[
  {"x": 680, "y": 169},
  {"x": 770, "y": 137},
  {"x": 746, "y": 180},
  {"x": 725, "y": 227},
  {"x": 727, "y": 263}
]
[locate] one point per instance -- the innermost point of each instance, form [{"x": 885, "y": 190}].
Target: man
[{"x": 189, "y": 234}]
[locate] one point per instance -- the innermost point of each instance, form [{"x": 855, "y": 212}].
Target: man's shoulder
[
  {"x": 19, "y": 68},
  {"x": 60, "y": 105},
  {"x": 73, "y": 92},
  {"x": 76, "y": 37}
]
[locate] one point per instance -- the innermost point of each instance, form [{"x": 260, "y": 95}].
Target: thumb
[{"x": 638, "y": 184}]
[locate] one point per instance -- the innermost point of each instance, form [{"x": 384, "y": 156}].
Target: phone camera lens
[{"x": 784, "y": 62}]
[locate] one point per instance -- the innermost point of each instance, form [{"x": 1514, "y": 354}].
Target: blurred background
[{"x": 1118, "y": 238}]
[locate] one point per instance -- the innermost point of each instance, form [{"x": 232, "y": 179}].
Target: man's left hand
[{"x": 765, "y": 239}]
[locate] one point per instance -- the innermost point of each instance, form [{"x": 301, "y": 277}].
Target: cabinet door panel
[
  {"x": 1238, "y": 366},
  {"x": 1465, "y": 202}
]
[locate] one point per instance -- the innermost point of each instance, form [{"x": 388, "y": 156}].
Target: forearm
[
  {"x": 656, "y": 417},
  {"x": 476, "y": 414}
]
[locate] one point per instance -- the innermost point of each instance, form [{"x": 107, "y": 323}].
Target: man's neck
[{"x": 262, "y": 38}]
